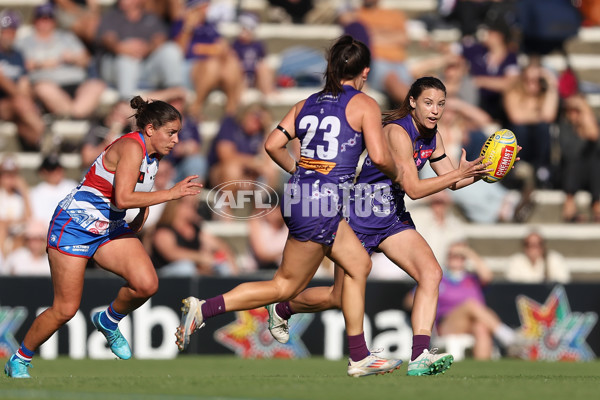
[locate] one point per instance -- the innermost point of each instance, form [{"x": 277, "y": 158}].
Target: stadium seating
[{"x": 577, "y": 242}]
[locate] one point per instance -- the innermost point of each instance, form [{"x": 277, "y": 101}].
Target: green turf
[{"x": 227, "y": 377}]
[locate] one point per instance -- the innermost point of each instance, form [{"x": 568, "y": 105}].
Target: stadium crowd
[{"x": 59, "y": 60}]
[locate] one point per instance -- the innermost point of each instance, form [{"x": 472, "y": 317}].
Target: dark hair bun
[{"x": 137, "y": 102}]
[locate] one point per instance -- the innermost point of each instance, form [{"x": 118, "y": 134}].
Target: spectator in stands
[
  {"x": 252, "y": 54},
  {"x": 531, "y": 105},
  {"x": 466, "y": 14},
  {"x": 16, "y": 101},
  {"x": 181, "y": 248},
  {"x": 267, "y": 235},
  {"x": 492, "y": 65},
  {"x": 105, "y": 130},
  {"x": 58, "y": 63},
  {"x": 461, "y": 304},
  {"x": 536, "y": 263},
  {"x": 211, "y": 62},
  {"x": 347, "y": 18},
  {"x": 438, "y": 223},
  {"x": 168, "y": 10},
  {"x": 546, "y": 26},
  {"x": 388, "y": 34},
  {"x": 294, "y": 11},
  {"x": 29, "y": 259},
  {"x": 237, "y": 152},
  {"x": 187, "y": 156},
  {"x": 80, "y": 17},
  {"x": 590, "y": 10},
  {"x": 580, "y": 155},
  {"x": 54, "y": 187},
  {"x": 15, "y": 204},
  {"x": 301, "y": 66},
  {"x": 460, "y": 84},
  {"x": 136, "y": 52}
]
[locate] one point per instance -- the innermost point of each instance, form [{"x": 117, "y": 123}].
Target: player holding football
[
  {"x": 90, "y": 222},
  {"x": 333, "y": 126},
  {"x": 411, "y": 131}
]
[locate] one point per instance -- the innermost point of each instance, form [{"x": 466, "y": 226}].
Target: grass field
[{"x": 228, "y": 377}]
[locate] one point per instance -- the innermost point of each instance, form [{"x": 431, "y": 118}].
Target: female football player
[
  {"x": 90, "y": 223},
  {"x": 413, "y": 138},
  {"x": 333, "y": 127}
]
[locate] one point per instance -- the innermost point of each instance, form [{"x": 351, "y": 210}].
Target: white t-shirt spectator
[
  {"x": 45, "y": 197},
  {"x": 552, "y": 268},
  {"x": 22, "y": 262}
]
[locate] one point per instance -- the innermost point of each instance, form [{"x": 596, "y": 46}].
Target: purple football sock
[
  {"x": 213, "y": 306},
  {"x": 358, "y": 347},
  {"x": 420, "y": 343},
  {"x": 284, "y": 310}
]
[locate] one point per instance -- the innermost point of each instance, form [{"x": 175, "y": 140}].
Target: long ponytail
[{"x": 347, "y": 59}]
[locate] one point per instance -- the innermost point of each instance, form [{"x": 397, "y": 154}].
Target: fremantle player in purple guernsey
[
  {"x": 379, "y": 217},
  {"x": 333, "y": 126}
]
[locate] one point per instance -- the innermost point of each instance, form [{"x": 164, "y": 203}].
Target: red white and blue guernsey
[
  {"x": 379, "y": 210},
  {"x": 88, "y": 218},
  {"x": 330, "y": 150}
]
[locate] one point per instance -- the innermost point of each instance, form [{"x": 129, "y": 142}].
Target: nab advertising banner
[{"x": 559, "y": 321}]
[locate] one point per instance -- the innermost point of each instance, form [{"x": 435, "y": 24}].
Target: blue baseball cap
[{"x": 44, "y": 11}]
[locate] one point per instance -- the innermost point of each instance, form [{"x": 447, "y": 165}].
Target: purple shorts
[
  {"x": 312, "y": 209},
  {"x": 372, "y": 240},
  {"x": 68, "y": 237}
]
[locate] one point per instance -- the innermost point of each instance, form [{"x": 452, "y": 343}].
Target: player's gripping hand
[
  {"x": 186, "y": 187},
  {"x": 473, "y": 169}
]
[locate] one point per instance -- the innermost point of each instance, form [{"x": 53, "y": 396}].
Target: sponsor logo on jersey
[
  {"x": 426, "y": 153},
  {"x": 328, "y": 97},
  {"x": 324, "y": 167}
]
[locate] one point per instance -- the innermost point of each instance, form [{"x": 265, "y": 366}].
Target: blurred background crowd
[{"x": 68, "y": 69}]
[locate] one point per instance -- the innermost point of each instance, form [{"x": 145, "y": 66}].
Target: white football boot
[
  {"x": 430, "y": 363},
  {"x": 191, "y": 321},
  {"x": 278, "y": 326},
  {"x": 372, "y": 365}
]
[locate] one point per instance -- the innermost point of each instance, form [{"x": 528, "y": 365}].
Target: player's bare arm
[
  {"x": 402, "y": 148},
  {"x": 276, "y": 142}
]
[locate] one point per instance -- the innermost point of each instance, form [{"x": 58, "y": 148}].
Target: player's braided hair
[
  {"x": 154, "y": 112},
  {"x": 347, "y": 59}
]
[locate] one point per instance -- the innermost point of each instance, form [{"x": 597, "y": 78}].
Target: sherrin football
[{"x": 501, "y": 150}]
